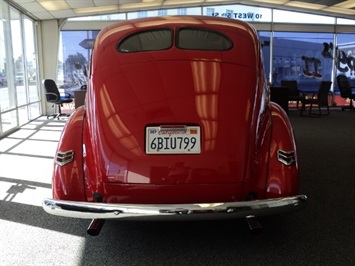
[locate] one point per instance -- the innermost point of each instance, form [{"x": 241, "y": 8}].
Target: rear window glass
[
  {"x": 151, "y": 40},
  {"x": 202, "y": 39}
]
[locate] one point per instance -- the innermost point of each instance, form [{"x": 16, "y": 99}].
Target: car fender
[
  {"x": 283, "y": 174},
  {"x": 68, "y": 179}
]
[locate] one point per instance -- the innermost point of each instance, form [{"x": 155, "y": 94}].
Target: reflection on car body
[{"x": 177, "y": 124}]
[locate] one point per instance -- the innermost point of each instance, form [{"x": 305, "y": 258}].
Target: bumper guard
[{"x": 241, "y": 209}]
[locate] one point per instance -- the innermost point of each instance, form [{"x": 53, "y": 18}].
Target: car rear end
[
  {"x": 171, "y": 114},
  {"x": 177, "y": 122}
]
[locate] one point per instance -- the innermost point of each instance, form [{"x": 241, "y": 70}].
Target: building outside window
[
  {"x": 74, "y": 57},
  {"x": 182, "y": 11},
  {"x": 142, "y": 14},
  {"x": 19, "y": 90},
  {"x": 209, "y": 11},
  {"x": 264, "y": 37},
  {"x": 162, "y": 12}
]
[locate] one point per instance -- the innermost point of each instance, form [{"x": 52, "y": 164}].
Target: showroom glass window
[
  {"x": 18, "y": 57},
  {"x": 74, "y": 56},
  {"x": 292, "y": 48},
  {"x": 31, "y": 60},
  {"x": 281, "y": 16},
  {"x": 345, "y": 55},
  {"x": 299, "y": 56},
  {"x": 264, "y": 37},
  {"x": 31, "y": 72},
  {"x": 302, "y": 56},
  {"x": 19, "y": 91},
  {"x": 7, "y": 97},
  {"x": 8, "y": 115}
]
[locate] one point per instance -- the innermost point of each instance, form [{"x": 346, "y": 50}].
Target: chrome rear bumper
[{"x": 242, "y": 209}]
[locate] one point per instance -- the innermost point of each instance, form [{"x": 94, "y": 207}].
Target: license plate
[{"x": 173, "y": 140}]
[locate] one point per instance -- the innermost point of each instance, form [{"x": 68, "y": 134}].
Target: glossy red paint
[
  {"x": 68, "y": 180},
  {"x": 282, "y": 179},
  {"x": 223, "y": 92}
]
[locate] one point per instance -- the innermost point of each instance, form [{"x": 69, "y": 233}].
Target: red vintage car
[{"x": 177, "y": 124}]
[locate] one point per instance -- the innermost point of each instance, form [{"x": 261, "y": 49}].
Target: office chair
[
  {"x": 279, "y": 95},
  {"x": 319, "y": 98},
  {"x": 294, "y": 94},
  {"x": 53, "y": 96},
  {"x": 345, "y": 91}
]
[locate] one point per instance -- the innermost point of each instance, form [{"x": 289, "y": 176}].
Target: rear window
[
  {"x": 202, "y": 39},
  {"x": 151, "y": 40},
  {"x": 186, "y": 38}
]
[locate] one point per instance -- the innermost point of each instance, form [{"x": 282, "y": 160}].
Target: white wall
[{"x": 48, "y": 41}]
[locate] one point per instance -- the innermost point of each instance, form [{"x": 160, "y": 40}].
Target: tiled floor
[
  {"x": 26, "y": 165},
  {"x": 26, "y": 161}
]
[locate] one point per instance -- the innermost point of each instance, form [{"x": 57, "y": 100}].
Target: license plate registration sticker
[{"x": 173, "y": 140}]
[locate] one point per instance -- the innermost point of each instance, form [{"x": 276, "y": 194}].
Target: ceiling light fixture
[
  {"x": 54, "y": 5},
  {"x": 305, "y": 5},
  {"x": 181, "y": 2},
  {"x": 346, "y": 4},
  {"x": 140, "y": 6},
  {"x": 95, "y": 9},
  {"x": 275, "y": 2},
  {"x": 340, "y": 10}
]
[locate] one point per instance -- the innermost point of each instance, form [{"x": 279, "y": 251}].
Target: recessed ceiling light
[
  {"x": 305, "y": 5},
  {"x": 276, "y": 2},
  {"x": 346, "y": 4},
  {"x": 54, "y": 5},
  {"x": 181, "y": 2},
  {"x": 141, "y": 6},
  {"x": 340, "y": 10},
  {"x": 95, "y": 9}
]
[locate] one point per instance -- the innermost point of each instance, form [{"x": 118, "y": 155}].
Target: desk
[
  {"x": 79, "y": 98},
  {"x": 309, "y": 91}
]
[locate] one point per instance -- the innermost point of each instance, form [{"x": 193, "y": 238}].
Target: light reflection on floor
[
  {"x": 26, "y": 161},
  {"x": 26, "y": 165}
]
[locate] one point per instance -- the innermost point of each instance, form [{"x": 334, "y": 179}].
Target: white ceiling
[{"x": 61, "y": 9}]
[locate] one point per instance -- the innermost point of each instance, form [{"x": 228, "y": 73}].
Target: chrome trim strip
[
  {"x": 95, "y": 210},
  {"x": 176, "y": 128},
  {"x": 286, "y": 157},
  {"x": 64, "y": 158}
]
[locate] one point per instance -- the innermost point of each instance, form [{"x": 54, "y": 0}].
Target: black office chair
[
  {"x": 345, "y": 91},
  {"x": 279, "y": 95},
  {"x": 53, "y": 96},
  {"x": 319, "y": 98},
  {"x": 294, "y": 94}
]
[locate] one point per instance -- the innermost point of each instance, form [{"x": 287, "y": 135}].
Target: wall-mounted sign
[
  {"x": 241, "y": 16},
  {"x": 246, "y": 13}
]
